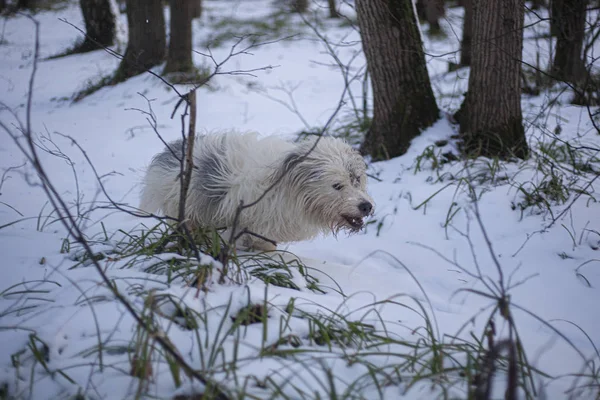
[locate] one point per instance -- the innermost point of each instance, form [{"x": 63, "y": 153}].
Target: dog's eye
[{"x": 338, "y": 186}]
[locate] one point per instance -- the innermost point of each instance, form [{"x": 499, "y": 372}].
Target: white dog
[{"x": 317, "y": 192}]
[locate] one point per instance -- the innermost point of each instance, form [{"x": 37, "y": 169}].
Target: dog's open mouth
[{"x": 354, "y": 223}]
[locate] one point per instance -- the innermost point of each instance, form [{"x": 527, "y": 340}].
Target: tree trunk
[
  {"x": 434, "y": 10},
  {"x": 403, "y": 101},
  {"x": 555, "y": 10},
  {"x": 421, "y": 7},
  {"x": 196, "y": 9},
  {"x": 490, "y": 118},
  {"x": 300, "y": 6},
  {"x": 537, "y": 4},
  {"x": 569, "y": 23},
  {"x": 465, "y": 45},
  {"x": 25, "y": 4},
  {"x": 179, "y": 58},
  {"x": 333, "y": 13},
  {"x": 100, "y": 25},
  {"x": 147, "y": 41}
]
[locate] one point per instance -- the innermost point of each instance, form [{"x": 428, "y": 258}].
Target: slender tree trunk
[
  {"x": 179, "y": 57},
  {"x": 122, "y": 6},
  {"x": 490, "y": 118},
  {"x": 421, "y": 7},
  {"x": 146, "y": 47},
  {"x": 434, "y": 10},
  {"x": 403, "y": 101},
  {"x": 333, "y": 13},
  {"x": 569, "y": 23},
  {"x": 465, "y": 45},
  {"x": 100, "y": 24},
  {"x": 196, "y": 9},
  {"x": 537, "y": 4},
  {"x": 555, "y": 16},
  {"x": 300, "y": 6}
]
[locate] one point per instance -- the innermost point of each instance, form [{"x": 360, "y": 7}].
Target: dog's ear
[
  {"x": 299, "y": 168},
  {"x": 292, "y": 160}
]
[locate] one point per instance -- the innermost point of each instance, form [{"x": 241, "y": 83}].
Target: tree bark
[
  {"x": 537, "y": 4},
  {"x": 146, "y": 47},
  {"x": 196, "y": 9},
  {"x": 569, "y": 25},
  {"x": 434, "y": 10},
  {"x": 490, "y": 118},
  {"x": 300, "y": 6},
  {"x": 555, "y": 10},
  {"x": 421, "y": 7},
  {"x": 333, "y": 13},
  {"x": 403, "y": 101},
  {"x": 100, "y": 24},
  {"x": 179, "y": 58},
  {"x": 465, "y": 45}
]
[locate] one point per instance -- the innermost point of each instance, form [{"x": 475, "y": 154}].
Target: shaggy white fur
[{"x": 322, "y": 192}]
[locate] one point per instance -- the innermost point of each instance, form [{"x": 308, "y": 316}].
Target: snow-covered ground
[{"x": 415, "y": 283}]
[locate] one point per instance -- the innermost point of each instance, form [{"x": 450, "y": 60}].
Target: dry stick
[
  {"x": 488, "y": 242},
  {"x": 151, "y": 118},
  {"x": 70, "y": 224},
  {"x": 502, "y": 299},
  {"x": 182, "y": 228},
  {"x": 186, "y": 171},
  {"x": 182, "y": 166},
  {"x": 190, "y": 152},
  {"x": 483, "y": 388}
]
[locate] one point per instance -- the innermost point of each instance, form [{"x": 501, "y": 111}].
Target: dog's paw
[
  {"x": 249, "y": 242},
  {"x": 252, "y": 243}
]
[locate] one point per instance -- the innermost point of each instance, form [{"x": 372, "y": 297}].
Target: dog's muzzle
[{"x": 355, "y": 222}]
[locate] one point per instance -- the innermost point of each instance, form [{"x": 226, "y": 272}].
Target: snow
[{"x": 408, "y": 257}]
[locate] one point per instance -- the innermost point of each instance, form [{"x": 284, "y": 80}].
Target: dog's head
[{"x": 330, "y": 181}]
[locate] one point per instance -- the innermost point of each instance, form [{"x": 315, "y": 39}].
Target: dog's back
[{"x": 226, "y": 166}]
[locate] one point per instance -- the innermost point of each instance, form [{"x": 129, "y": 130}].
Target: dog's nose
[{"x": 365, "y": 208}]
